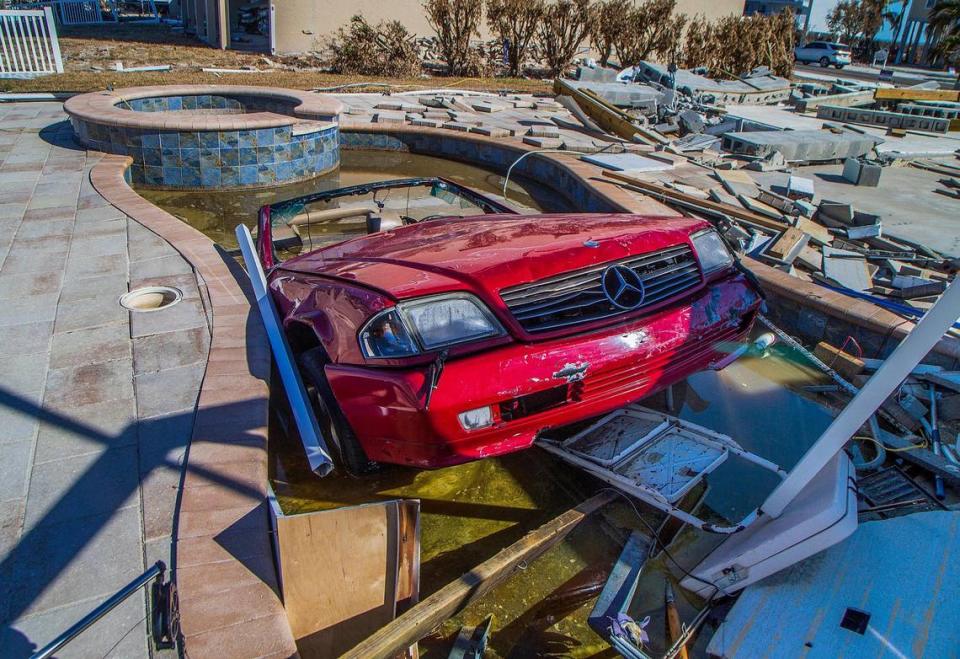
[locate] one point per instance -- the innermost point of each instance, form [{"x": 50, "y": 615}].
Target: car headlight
[
  {"x": 416, "y": 326},
  {"x": 711, "y": 251}
]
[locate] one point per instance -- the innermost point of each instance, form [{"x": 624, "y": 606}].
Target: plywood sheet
[{"x": 341, "y": 572}]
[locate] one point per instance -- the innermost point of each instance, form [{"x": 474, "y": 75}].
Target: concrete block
[
  {"x": 457, "y": 126},
  {"x": 542, "y": 142},
  {"x": 883, "y": 118},
  {"x": 543, "y": 130},
  {"x": 909, "y": 287},
  {"x": 389, "y": 117},
  {"x": 800, "y": 145},
  {"x": 427, "y": 123},
  {"x": 490, "y": 131}
]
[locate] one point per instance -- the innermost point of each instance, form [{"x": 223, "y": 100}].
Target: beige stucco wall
[{"x": 305, "y": 25}]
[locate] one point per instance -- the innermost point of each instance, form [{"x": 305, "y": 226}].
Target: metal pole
[
  {"x": 156, "y": 570},
  {"x": 318, "y": 455}
]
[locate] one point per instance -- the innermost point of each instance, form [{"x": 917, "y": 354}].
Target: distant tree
[
  {"x": 607, "y": 21},
  {"x": 455, "y": 23},
  {"x": 516, "y": 22},
  {"x": 650, "y": 27},
  {"x": 565, "y": 25},
  {"x": 846, "y": 20}
]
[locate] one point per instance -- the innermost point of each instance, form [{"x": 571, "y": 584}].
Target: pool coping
[
  {"x": 101, "y": 108},
  {"x": 222, "y": 536}
]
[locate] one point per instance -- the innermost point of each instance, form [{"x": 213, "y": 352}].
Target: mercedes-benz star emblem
[{"x": 623, "y": 287}]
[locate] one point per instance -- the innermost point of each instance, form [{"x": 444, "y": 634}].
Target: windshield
[{"x": 307, "y": 223}]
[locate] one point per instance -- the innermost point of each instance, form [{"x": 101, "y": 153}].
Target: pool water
[
  {"x": 470, "y": 512},
  {"x": 218, "y": 213}
]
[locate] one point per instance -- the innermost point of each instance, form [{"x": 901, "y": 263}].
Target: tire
[
  {"x": 824, "y": 62},
  {"x": 333, "y": 423},
  {"x": 839, "y": 66}
]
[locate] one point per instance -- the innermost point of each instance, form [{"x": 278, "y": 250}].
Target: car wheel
[
  {"x": 333, "y": 423},
  {"x": 839, "y": 66},
  {"x": 824, "y": 62}
]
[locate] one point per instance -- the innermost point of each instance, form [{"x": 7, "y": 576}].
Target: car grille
[{"x": 577, "y": 297}]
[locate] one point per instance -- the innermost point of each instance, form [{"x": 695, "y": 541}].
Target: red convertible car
[{"x": 436, "y": 325}]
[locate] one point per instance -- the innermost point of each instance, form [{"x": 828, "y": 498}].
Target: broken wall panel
[
  {"x": 883, "y": 118},
  {"x": 800, "y": 145}
]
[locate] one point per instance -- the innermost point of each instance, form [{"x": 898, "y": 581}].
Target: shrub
[
  {"x": 515, "y": 21},
  {"x": 734, "y": 45},
  {"x": 608, "y": 19},
  {"x": 650, "y": 27},
  {"x": 564, "y": 26},
  {"x": 386, "y": 49},
  {"x": 456, "y": 22}
]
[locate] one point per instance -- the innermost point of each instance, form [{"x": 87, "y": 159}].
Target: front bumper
[{"x": 525, "y": 386}]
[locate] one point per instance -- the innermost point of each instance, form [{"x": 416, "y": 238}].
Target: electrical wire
[
  {"x": 663, "y": 547},
  {"x": 922, "y": 445}
]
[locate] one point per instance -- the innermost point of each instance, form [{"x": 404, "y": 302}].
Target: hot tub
[{"x": 202, "y": 137}]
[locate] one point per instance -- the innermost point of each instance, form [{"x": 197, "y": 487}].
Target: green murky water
[
  {"x": 217, "y": 213},
  {"x": 470, "y": 512}
]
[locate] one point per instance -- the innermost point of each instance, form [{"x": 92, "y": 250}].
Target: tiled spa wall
[
  {"x": 210, "y": 102},
  {"x": 218, "y": 159}
]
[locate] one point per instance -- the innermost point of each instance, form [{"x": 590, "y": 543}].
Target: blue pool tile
[
  {"x": 248, "y": 139},
  {"x": 230, "y": 139},
  {"x": 284, "y": 171},
  {"x": 135, "y": 173},
  {"x": 265, "y": 136},
  {"x": 209, "y": 140},
  {"x": 189, "y": 102},
  {"x": 266, "y": 175},
  {"x": 190, "y": 157},
  {"x": 153, "y": 175},
  {"x": 229, "y": 157},
  {"x": 189, "y": 141},
  {"x": 150, "y": 141},
  {"x": 210, "y": 178},
  {"x": 248, "y": 174},
  {"x": 171, "y": 176},
  {"x": 265, "y": 155},
  {"x": 170, "y": 157},
  {"x": 190, "y": 177},
  {"x": 230, "y": 176},
  {"x": 248, "y": 157},
  {"x": 170, "y": 140},
  {"x": 152, "y": 157},
  {"x": 209, "y": 158},
  {"x": 174, "y": 103}
]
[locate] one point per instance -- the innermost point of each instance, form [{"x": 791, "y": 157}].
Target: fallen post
[
  {"x": 318, "y": 455},
  {"x": 420, "y": 620}
]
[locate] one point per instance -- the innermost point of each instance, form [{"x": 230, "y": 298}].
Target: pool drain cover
[{"x": 151, "y": 298}]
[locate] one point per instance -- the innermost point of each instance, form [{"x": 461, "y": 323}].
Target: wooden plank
[
  {"x": 908, "y": 94},
  {"x": 788, "y": 245},
  {"x": 662, "y": 192},
  {"x": 340, "y": 572},
  {"x": 924, "y": 458},
  {"x": 416, "y": 623}
]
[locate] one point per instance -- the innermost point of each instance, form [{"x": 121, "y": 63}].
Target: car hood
[{"x": 484, "y": 254}]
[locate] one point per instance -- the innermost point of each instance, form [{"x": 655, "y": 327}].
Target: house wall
[{"x": 305, "y": 25}]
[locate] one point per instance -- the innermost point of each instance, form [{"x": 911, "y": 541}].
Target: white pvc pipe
[
  {"x": 878, "y": 388},
  {"x": 318, "y": 455}
]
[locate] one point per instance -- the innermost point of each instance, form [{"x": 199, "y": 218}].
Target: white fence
[
  {"x": 79, "y": 12},
  {"x": 28, "y": 43}
]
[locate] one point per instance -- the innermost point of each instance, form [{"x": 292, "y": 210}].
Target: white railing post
[{"x": 52, "y": 36}]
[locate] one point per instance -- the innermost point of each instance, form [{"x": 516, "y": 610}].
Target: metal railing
[{"x": 164, "y": 623}]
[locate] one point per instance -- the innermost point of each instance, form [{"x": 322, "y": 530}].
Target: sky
[{"x": 818, "y": 17}]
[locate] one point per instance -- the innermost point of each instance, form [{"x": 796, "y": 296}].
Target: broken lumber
[
  {"x": 661, "y": 192},
  {"x": 418, "y": 621},
  {"x": 911, "y": 94},
  {"x": 788, "y": 245},
  {"x": 842, "y": 362}
]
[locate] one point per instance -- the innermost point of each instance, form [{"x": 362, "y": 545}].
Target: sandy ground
[{"x": 90, "y": 52}]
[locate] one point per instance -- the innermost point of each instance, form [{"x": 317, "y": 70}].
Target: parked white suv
[{"x": 824, "y": 52}]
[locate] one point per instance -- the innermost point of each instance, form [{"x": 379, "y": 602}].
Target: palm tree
[{"x": 945, "y": 31}]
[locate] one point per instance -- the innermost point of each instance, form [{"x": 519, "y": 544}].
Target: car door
[{"x": 811, "y": 52}]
